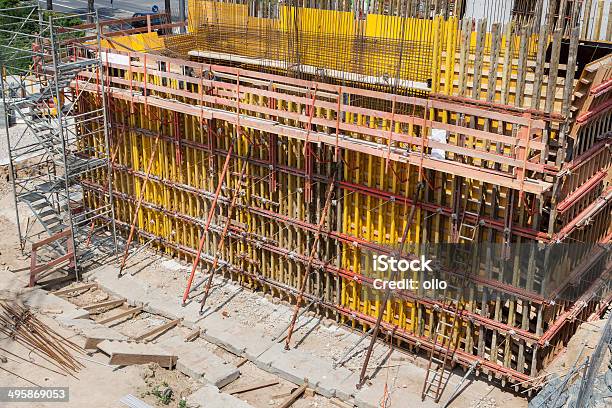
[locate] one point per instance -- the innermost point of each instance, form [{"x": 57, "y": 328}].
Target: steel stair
[{"x": 45, "y": 213}]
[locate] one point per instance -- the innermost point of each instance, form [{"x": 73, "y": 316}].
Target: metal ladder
[
  {"x": 467, "y": 233},
  {"x": 446, "y": 336},
  {"x": 467, "y": 229},
  {"x": 442, "y": 352}
]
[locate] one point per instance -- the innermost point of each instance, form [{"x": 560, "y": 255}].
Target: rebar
[{"x": 20, "y": 325}]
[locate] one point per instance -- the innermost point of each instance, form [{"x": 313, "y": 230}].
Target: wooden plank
[
  {"x": 156, "y": 331},
  {"x": 539, "y": 70},
  {"x": 586, "y": 19},
  {"x": 281, "y": 395},
  {"x": 108, "y": 303},
  {"x": 466, "y": 31},
  {"x": 252, "y": 387},
  {"x": 507, "y": 67},
  {"x": 124, "y": 353},
  {"x": 494, "y": 64},
  {"x": 194, "y": 334},
  {"x": 132, "y": 311},
  {"x": 522, "y": 67},
  {"x": 294, "y": 396},
  {"x": 598, "y": 20},
  {"x": 554, "y": 70},
  {"x": 74, "y": 288},
  {"x": 480, "y": 43},
  {"x": 571, "y": 70}
]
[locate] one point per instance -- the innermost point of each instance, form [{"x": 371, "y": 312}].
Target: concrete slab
[
  {"x": 93, "y": 332},
  {"x": 173, "y": 309},
  {"x": 403, "y": 384},
  {"x": 347, "y": 388},
  {"x": 139, "y": 293},
  {"x": 106, "y": 276},
  {"x": 77, "y": 314},
  {"x": 296, "y": 365},
  {"x": 234, "y": 338},
  {"x": 209, "y": 396},
  {"x": 198, "y": 363},
  {"x": 41, "y": 300}
]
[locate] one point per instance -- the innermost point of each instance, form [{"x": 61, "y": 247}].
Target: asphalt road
[{"x": 118, "y": 8}]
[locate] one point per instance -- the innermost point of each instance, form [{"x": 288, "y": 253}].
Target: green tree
[{"x": 13, "y": 21}]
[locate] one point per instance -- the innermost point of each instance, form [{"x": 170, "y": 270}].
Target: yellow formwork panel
[
  {"x": 177, "y": 197},
  {"x": 408, "y": 29},
  {"x": 213, "y": 12},
  {"x": 317, "y": 20},
  {"x": 135, "y": 42}
]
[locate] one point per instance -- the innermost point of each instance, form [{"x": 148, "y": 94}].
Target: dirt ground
[
  {"x": 579, "y": 348},
  {"x": 95, "y": 385},
  {"x": 157, "y": 380}
]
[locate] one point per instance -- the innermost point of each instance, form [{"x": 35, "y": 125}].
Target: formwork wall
[{"x": 175, "y": 121}]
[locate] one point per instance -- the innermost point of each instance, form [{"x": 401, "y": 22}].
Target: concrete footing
[{"x": 200, "y": 364}]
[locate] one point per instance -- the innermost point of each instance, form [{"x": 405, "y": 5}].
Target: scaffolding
[{"x": 49, "y": 156}]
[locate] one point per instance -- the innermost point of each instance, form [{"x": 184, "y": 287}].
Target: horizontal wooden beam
[
  {"x": 132, "y": 311},
  {"x": 294, "y": 395},
  {"x": 252, "y": 387},
  {"x": 108, "y": 303},
  {"x": 492, "y": 111},
  {"x": 75, "y": 288},
  {"x": 157, "y": 331},
  {"x": 343, "y": 141},
  {"x": 194, "y": 334}
]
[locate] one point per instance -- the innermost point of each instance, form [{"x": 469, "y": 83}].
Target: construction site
[{"x": 331, "y": 204}]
